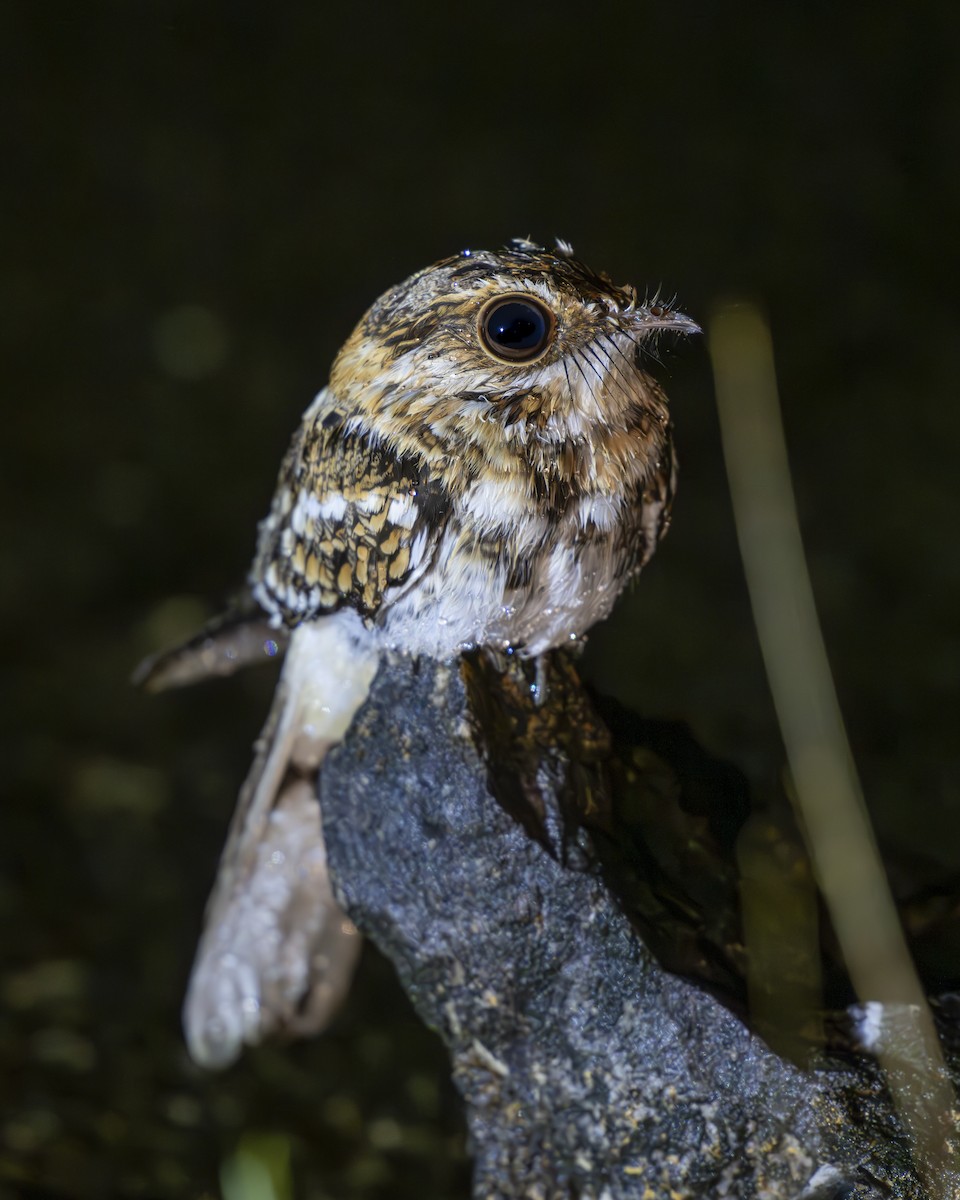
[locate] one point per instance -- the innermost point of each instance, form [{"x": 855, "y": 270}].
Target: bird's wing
[
  {"x": 240, "y": 637},
  {"x": 350, "y": 523}
]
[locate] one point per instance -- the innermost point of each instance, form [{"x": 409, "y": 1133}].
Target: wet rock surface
[{"x": 587, "y": 1070}]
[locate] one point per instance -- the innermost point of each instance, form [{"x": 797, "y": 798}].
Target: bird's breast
[{"x": 506, "y": 574}]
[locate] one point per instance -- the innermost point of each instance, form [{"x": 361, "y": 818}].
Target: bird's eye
[{"x": 516, "y": 329}]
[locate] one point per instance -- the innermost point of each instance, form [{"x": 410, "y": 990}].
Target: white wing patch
[
  {"x": 330, "y": 508},
  {"x": 402, "y": 512}
]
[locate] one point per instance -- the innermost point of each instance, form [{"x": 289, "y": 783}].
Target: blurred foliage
[{"x": 199, "y": 201}]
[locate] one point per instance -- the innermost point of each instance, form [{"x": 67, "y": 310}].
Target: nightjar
[{"x": 489, "y": 465}]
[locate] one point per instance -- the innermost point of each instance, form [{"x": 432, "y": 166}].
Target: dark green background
[{"x": 278, "y": 168}]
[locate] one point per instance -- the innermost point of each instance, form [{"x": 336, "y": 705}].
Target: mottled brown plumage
[
  {"x": 456, "y": 499},
  {"x": 329, "y": 540},
  {"x": 488, "y": 467}
]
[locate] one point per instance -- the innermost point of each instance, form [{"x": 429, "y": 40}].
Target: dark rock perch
[{"x": 587, "y": 1069}]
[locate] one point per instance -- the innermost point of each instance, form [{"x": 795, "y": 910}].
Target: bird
[{"x": 488, "y": 467}]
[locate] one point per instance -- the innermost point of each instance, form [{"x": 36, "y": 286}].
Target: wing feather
[{"x": 351, "y": 522}]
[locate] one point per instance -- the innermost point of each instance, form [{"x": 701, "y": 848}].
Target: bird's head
[{"x": 503, "y": 352}]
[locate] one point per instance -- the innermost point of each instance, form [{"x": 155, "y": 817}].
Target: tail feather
[{"x": 277, "y": 954}]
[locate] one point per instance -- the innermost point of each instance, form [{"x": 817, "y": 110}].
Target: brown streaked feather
[
  {"x": 347, "y": 517},
  {"x": 439, "y": 495}
]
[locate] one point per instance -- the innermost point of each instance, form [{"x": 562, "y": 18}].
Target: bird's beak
[{"x": 657, "y": 317}]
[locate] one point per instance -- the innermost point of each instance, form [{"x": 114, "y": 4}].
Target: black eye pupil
[
  {"x": 516, "y": 329},
  {"x": 516, "y": 326}
]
